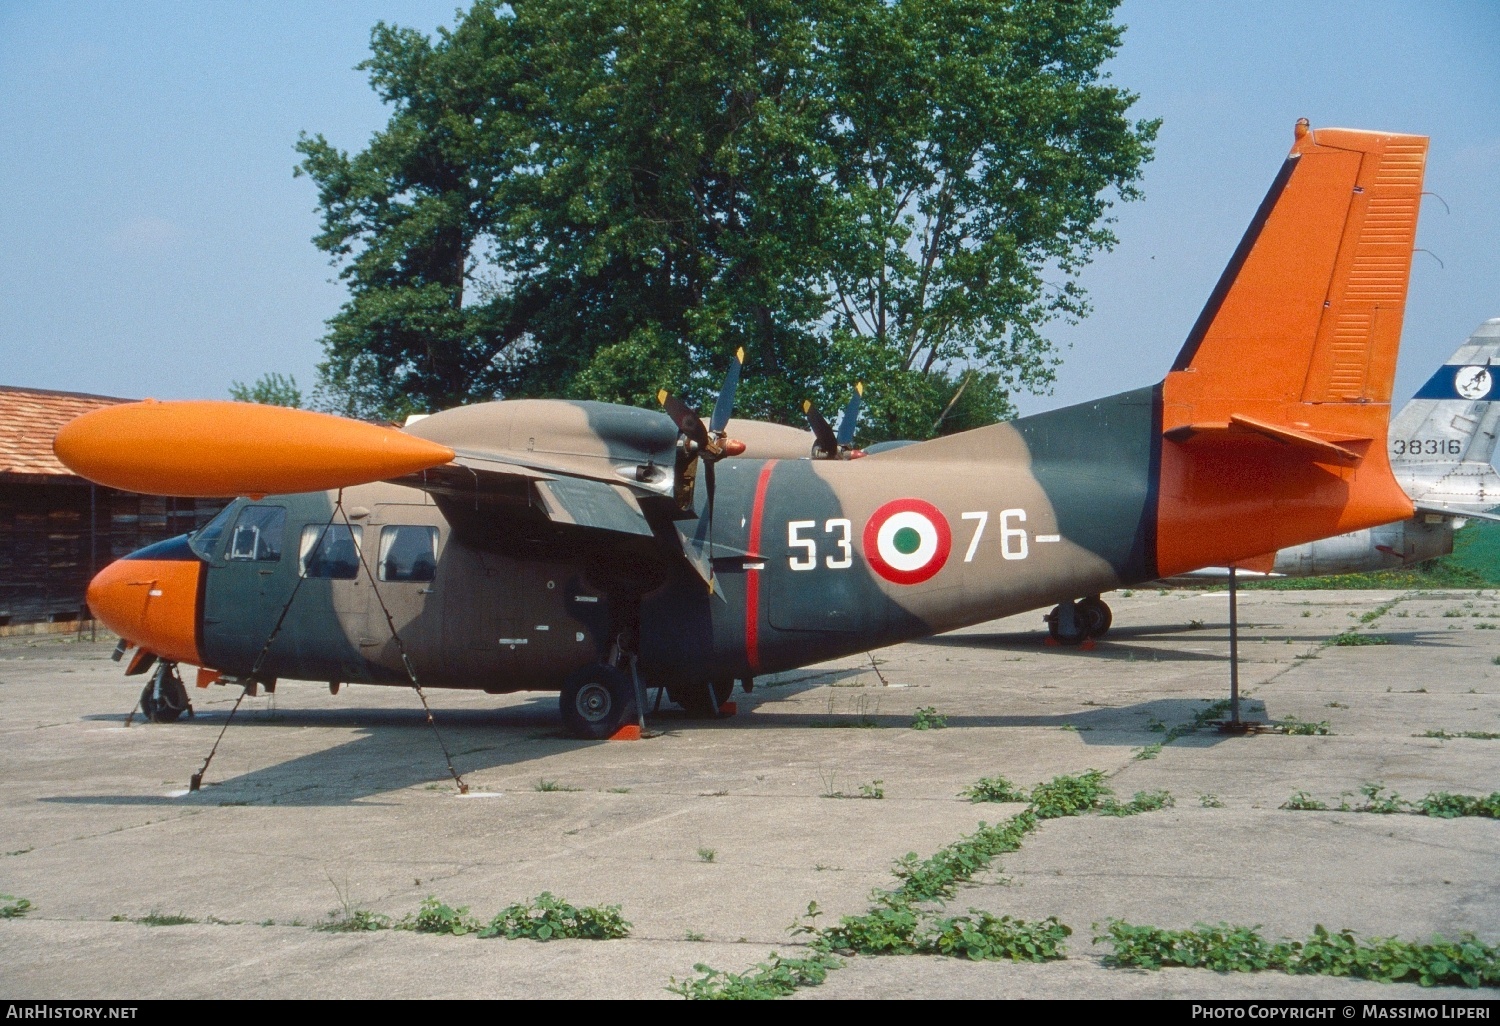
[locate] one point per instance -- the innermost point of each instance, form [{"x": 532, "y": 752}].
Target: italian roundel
[{"x": 907, "y": 541}]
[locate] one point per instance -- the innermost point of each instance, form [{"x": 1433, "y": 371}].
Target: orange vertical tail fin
[{"x": 1275, "y": 411}]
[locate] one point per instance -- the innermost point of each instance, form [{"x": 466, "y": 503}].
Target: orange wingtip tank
[{"x": 219, "y": 449}]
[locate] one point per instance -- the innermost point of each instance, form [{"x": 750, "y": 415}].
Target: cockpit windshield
[{"x": 205, "y": 540}]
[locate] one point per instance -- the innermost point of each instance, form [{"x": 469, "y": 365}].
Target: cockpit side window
[
  {"x": 408, "y": 553},
  {"x": 257, "y": 535},
  {"x": 330, "y": 552}
]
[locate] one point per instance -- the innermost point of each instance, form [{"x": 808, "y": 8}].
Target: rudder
[{"x": 1274, "y": 415}]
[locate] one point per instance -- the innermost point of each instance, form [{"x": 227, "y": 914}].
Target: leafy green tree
[
  {"x": 599, "y": 198},
  {"x": 271, "y": 389}
]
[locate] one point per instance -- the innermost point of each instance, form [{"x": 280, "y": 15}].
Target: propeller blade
[
  {"x": 827, "y": 441},
  {"x": 684, "y": 416},
  {"x": 850, "y": 418},
  {"x": 724, "y": 406},
  {"x": 220, "y": 449}
]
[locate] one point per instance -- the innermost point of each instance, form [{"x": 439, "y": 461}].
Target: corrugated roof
[{"x": 30, "y": 417}]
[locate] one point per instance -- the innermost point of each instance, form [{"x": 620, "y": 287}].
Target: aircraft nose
[{"x": 152, "y": 602}]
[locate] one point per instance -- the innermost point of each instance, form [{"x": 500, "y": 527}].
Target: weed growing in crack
[
  {"x": 992, "y": 789},
  {"x": 1351, "y": 639},
  {"x": 353, "y": 920},
  {"x": 433, "y": 916},
  {"x": 1438, "y": 804},
  {"x": 1142, "y": 801},
  {"x": 549, "y": 917},
  {"x": 773, "y": 978},
  {"x": 1302, "y": 801},
  {"x": 1477, "y": 735},
  {"x": 927, "y": 718},
  {"x": 1301, "y": 728},
  {"x": 156, "y": 918},
  {"x": 1226, "y": 948},
  {"x": 13, "y": 907},
  {"x": 707, "y": 854}
]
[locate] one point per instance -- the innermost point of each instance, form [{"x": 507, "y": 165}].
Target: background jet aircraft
[{"x": 591, "y": 548}]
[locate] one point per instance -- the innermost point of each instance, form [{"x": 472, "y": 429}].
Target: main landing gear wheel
[
  {"x": 1071, "y": 623},
  {"x": 694, "y": 697},
  {"x": 165, "y": 698},
  {"x": 597, "y": 701},
  {"x": 1095, "y": 616}
]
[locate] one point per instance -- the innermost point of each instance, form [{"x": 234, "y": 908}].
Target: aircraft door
[
  {"x": 249, "y": 582},
  {"x": 480, "y": 606},
  {"x": 403, "y": 552}
]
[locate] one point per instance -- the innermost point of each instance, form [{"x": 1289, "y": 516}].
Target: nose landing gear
[
  {"x": 1072, "y": 623},
  {"x": 164, "y": 698}
]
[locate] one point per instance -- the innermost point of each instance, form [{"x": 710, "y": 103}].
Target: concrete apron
[{"x": 721, "y": 829}]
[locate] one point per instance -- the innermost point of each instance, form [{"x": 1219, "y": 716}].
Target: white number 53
[{"x": 808, "y": 547}]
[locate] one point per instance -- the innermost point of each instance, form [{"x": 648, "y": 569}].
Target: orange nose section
[{"x": 153, "y": 603}]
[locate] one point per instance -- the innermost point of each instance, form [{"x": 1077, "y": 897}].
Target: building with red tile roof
[{"x": 56, "y": 529}]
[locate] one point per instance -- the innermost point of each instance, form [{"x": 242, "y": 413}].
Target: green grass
[
  {"x": 13, "y": 907},
  {"x": 1475, "y": 735}
]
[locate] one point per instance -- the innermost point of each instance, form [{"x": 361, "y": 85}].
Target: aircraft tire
[
  {"x": 694, "y": 697},
  {"x": 173, "y": 701},
  {"x": 596, "y": 701},
  {"x": 1095, "y": 616},
  {"x": 1062, "y": 636}
]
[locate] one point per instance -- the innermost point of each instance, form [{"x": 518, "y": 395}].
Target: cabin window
[
  {"x": 330, "y": 551},
  {"x": 408, "y": 553},
  {"x": 257, "y": 534}
]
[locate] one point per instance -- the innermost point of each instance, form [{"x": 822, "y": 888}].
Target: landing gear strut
[
  {"x": 1072, "y": 623},
  {"x": 164, "y": 699}
]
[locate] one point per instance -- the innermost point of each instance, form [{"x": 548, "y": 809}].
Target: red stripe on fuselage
[{"x": 752, "y": 577}]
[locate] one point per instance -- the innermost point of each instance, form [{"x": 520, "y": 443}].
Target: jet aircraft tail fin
[
  {"x": 1443, "y": 440},
  {"x": 1274, "y": 415}
]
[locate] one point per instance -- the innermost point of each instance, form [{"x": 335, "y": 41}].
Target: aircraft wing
[{"x": 503, "y": 483}]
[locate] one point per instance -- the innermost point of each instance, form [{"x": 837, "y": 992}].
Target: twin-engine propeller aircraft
[{"x": 549, "y": 544}]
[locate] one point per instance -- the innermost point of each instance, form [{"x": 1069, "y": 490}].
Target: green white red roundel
[{"x": 907, "y": 541}]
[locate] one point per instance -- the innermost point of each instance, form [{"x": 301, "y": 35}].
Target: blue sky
[{"x": 154, "y": 242}]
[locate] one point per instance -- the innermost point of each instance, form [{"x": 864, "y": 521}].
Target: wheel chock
[
  {"x": 1051, "y": 642},
  {"x": 629, "y": 732},
  {"x": 1087, "y": 645},
  {"x": 729, "y": 708}
]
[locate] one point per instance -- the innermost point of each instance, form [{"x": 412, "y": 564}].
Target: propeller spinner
[{"x": 708, "y": 442}]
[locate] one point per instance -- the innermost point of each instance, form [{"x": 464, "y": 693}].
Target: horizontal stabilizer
[
  {"x": 1460, "y": 512},
  {"x": 1318, "y": 449}
]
